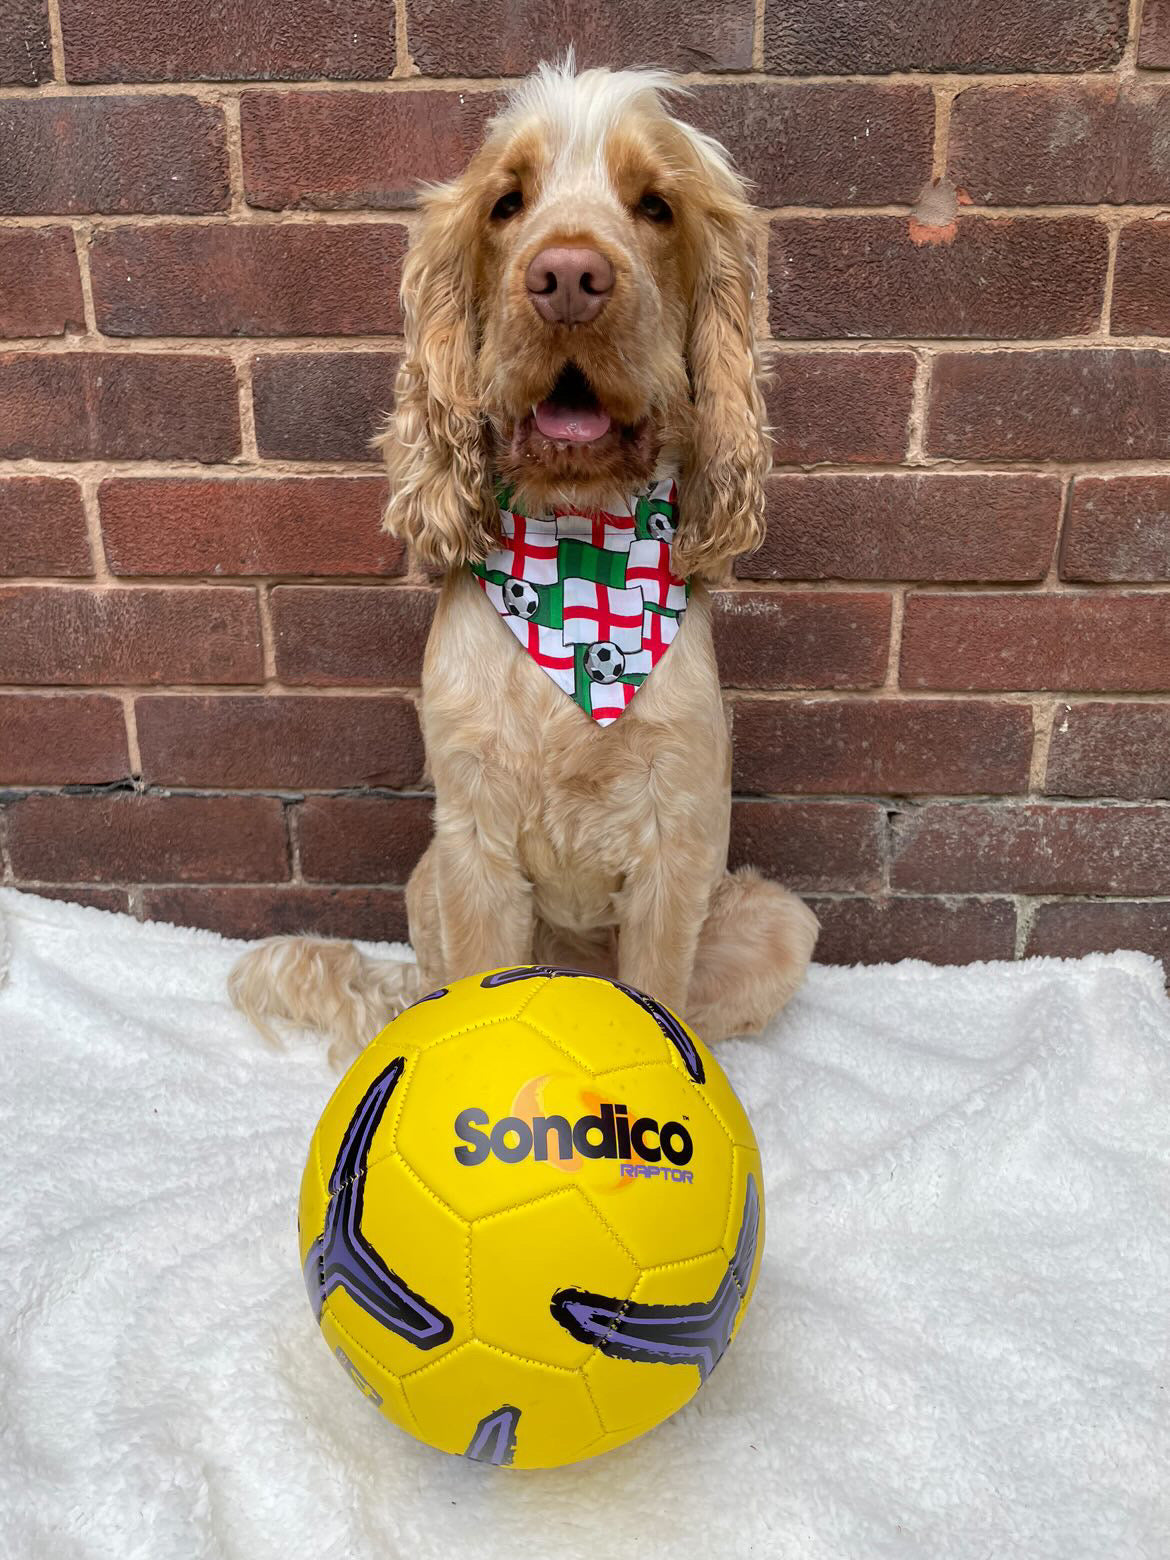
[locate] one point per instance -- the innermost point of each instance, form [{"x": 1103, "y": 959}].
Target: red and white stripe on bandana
[{"x": 590, "y": 596}]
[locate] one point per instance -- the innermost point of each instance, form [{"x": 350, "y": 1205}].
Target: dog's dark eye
[
  {"x": 654, "y": 208},
  {"x": 508, "y": 205}
]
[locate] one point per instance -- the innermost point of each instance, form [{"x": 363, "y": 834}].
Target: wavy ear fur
[
  {"x": 722, "y": 507},
  {"x": 435, "y": 442}
]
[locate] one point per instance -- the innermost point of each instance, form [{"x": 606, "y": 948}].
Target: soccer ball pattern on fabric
[
  {"x": 531, "y": 1217},
  {"x": 591, "y": 597}
]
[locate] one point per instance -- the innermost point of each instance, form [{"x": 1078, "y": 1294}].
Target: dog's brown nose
[{"x": 569, "y": 286}]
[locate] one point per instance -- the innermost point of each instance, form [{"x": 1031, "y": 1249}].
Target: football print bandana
[{"x": 591, "y": 597}]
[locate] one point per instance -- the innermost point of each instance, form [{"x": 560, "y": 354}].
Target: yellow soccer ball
[{"x": 531, "y": 1218}]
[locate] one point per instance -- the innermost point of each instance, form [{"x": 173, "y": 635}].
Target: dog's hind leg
[{"x": 754, "y": 948}]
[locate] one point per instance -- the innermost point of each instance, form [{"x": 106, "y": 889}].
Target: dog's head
[{"x": 579, "y": 318}]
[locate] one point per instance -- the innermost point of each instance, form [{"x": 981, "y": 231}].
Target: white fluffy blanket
[{"x": 958, "y": 1346}]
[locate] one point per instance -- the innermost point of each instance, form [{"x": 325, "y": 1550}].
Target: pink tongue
[{"x": 576, "y": 424}]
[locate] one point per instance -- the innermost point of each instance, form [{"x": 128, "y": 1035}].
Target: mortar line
[
  {"x": 130, "y": 715},
  {"x": 758, "y": 36},
  {"x": 897, "y": 617},
  {"x": 57, "y": 43},
  {"x": 229, "y": 105},
  {"x": 1110, "y": 272},
  {"x": 404, "y": 66},
  {"x": 944, "y": 98},
  {"x": 1043, "y": 718},
  {"x": 919, "y": 402},
  {"x": 102, "y": 577}
]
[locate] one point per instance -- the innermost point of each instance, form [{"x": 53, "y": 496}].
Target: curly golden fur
[{"x": 556, "y": 838}]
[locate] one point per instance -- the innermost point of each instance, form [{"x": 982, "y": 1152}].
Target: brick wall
[{"x": 949, "y": 667}]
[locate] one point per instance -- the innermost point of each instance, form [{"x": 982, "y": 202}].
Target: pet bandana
[{"x": 591, "y": 597}]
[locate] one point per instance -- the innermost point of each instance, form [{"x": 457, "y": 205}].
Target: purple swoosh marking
[
  {"x": 494, "y": 1440},
  {"x": 342, "y": 1258},
  {"x": 695, "y": 1334}
]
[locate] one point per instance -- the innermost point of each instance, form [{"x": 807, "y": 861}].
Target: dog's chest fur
[{"x": 575, "y": 804}]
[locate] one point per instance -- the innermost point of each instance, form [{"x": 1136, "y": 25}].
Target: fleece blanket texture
[{"x": 958, "y": 1346}]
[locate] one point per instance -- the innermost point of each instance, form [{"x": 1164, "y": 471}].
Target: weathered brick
[
  {"x": 362, "y": 839},
  {"x": 1041, "y": 848},
  {"x": 1154, "y": 44},
  {"x": 887, "y": 929},
  {"x": 1076, "y": 404},
  {"x": 880, "y": 746},
  {"x": 1118, "y": 528},
  {"x": 822, "y": 143},
  {"x": 870, "y": 37},
  {"x": 332, "y": 150},
  {"x": 802, "y": 639},
  {"x": 373, "y": 914},
  {"x": 839, "y": 406},
  {"x": 1002, "y": 277},
  {"x": 62, "y": 739},
  {"x": 908, "y": 527},
  {"x": 118, "y": 837},
  {"x": 350, "y": 634},
  {"x": 96, "y": 898},
  {"x": 321, "y": 405},
  {"x": 41, "y": 292},
  {"x": 228, "y": 280},
  {"x": 112, "y": 154},
  {"x": 117, "y": 406},
  {"x": 1073, "y": 928},
  {"x": 1115, "y": 749},
  {"x": 279, "y": 741},
  {"x": 1010, "y": 642},
  {"x": 84, "y": 636},
  {"x": 202, "y": 40},
  {"x": 1141, "y": 282},
  {"x": 1036, "y": 142},
  {"x": 26, "y": 49},
  {"x": 811, "y": 846},
  {"x": 241, "y": 525},
  {"x": 42, "y": 527},
  {"x": 510, "y": 39}
]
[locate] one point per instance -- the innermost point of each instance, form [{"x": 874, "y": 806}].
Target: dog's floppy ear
[
  {"x": 435, "y": 441},
  {"x": 722, "y": 502}
]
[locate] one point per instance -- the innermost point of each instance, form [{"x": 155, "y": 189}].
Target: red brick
[
  {"x": 1141, "y": 282},
  {"x": 510, "y": 39},
  {"x": 279, "y": 741},
  {"x": 117, "y": 406},
  {"x": 871, "y": 37},
  {"x": 880, "y": 746},
  {"x": 227, "y": 280},
  {"x": 1002, "y": 277},
  {"x": 1038, "y": 142},
  {"x": 811, "y": 846},
  {"x": 62, "y": 739},
  {"x": 1071, "y": 929},
  {"x": 802, "y": 639},
  {"x": 1154, "y": 45},
  {"x": 1118, "y": 528},
  {"x": 1114, "y": 749},
  {"x": 332, "y": 150},
  {"x": 41, "y": 295},
  {"x": 888, "y": 929},
  {"x": 118, "y": 837},
  {"x": 1016, "y": 642},
  {"x": 839, "y": 406},
  {"x": 822, "y": 143},
  {"x": 321, "y": 405},
  {"x": 96, "y": 898},
  {"x": 908, "y": 527},
  {"x": 373, "y": 914},
  {"x": 81, "y": 636},
  {"x": 350, "y": 634},
  {"x": 362, "y": 839},
  {"x": 42, "y": 527},
  {"x": 112, "y": 154},
  {"x": 979, "y": 847},
  {"x": 201, "y": 40},
  {"x": 1077, "y": 404},
  {"x": 244, "y": 525},
  {"x": 26, "y": 49}
]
